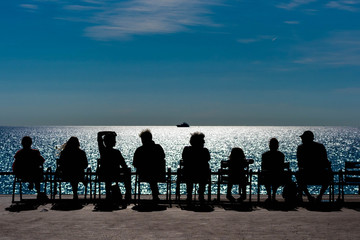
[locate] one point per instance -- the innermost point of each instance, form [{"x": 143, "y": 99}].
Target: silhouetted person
[
  {"x": 72, "y": 163},
  {"x": 313, "y": 164},
  {"x": 109, "y": 164},
  {"x": 149, "y": 161},
  {"x": 28, "y": 164},
  {"x": 196, "y": 165},
  {"x": 272, "y": 168},
  {"x": 237, "y": 173}
]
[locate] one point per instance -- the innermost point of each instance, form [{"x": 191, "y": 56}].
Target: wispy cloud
[
  {"x": 123, "y": 19},
  {"x": 140, "y": 17},
  {"x": 258, "y": 39},
  {"x": 93, "y": 1},
  {"x": 248, "y": 40},
  {"x": 294, "y": 4},
  {"x": 340, "y": 48},
  {"x": 81, "y": 7},
  {"x": 292, "y": 22},
  {"x": 347, "y": 5},
  {"x": 29, "y": 6}
]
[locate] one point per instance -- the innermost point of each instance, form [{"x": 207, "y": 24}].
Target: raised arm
[{"x": 100, "y": 139}]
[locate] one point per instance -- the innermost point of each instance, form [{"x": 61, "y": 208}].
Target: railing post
[
  {"x": 250, "y": 186},
  {"x": 258, "y": 186}
]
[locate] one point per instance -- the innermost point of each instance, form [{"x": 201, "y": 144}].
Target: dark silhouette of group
[{"x": 149, "y": 161}]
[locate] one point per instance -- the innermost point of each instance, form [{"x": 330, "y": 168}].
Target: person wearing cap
[{"x": 314, "y": 166}]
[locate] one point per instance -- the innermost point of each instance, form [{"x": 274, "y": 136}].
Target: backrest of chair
[
  {"x": 88, "y": 174},
  {"x": 248, "y": 171},
  {"x": 224, "y": 169},
  {"x": 224, "y": 166},
  {"x": 58, "y": 169},
  {"x": 181, "y": 164},
  {"x": 180, "y": 171},
  {"x": 48, "y": 174},
  {"x": 168, "y": 176},
  {"x": 352, "y": 172},
  {"x": 180, "y": 168},
  {"x": 287, "y": 166},
  {"x": 98, "y": 164}
]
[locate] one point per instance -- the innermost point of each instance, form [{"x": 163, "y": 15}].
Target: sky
[{"x": 162, "y": 62}]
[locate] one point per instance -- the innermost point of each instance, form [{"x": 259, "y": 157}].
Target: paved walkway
[{"x": 45, "y": 222}]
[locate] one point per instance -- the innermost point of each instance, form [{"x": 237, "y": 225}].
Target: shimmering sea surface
[{"x": 342, "y": 144}]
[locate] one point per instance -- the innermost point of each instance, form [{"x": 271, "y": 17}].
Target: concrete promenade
[{"x": 215, "y": 222}]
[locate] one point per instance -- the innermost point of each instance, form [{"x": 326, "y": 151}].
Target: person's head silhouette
[
  {"x": 274, "y": 144},
  {"x": 237, "y": 154},
  {"x": 26, "y": 142},
  {"x": 197, "y": 139},
  {"x": 73, "y": 143},
  {"x": 146, "y": 137},
  {"x": 110, "y": 140},
  {"x": 307, "y": 137}
]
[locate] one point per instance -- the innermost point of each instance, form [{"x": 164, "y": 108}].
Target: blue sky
[{"x": 161, "y": 62}]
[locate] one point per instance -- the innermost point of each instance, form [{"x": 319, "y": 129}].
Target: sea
[{"x": 342, "y": 144}]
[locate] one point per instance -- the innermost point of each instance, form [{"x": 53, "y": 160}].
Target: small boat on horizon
[{"x": 184, "y": 124}]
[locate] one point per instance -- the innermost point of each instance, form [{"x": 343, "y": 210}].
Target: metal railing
[{"x": 91, "y": 179}]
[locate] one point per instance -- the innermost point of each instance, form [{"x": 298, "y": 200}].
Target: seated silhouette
[
  {"x": 28, "y": 165},
  {"x": 237, "y": 165},
  {"x": 314, "y": 166},
  {"x": 196, "y": 165},
  {"x": 109, "y": 164},
  {"x": 149, "y": 161},
  {"x": 72, "y": 163},
  {"x": 272, "y": 169}
]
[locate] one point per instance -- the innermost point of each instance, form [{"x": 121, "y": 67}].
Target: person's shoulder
[
  {"x": 139, "y": 148},
  {"x": 118, "y": 152},
  {"x": 82, "y": 152},
  {"x": 206, "y": 153},
  {"x": 265, "y": 154},
  {"x": 62, "y": 153},
  {"x": 159, "y": 149},
  {"x": 280, "y": 153},
  {"x": 35, "y": 151},
  {"x": 318, "y": 144},
  {"x": 158, "y": 145},
  {"x": 187, "y": 148},
  {"x": 300, "y": 147},
  {"x": 114, "y": 152},
  {"x": 266, "y": 157},
  {"x": 18, "y": 153}
]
